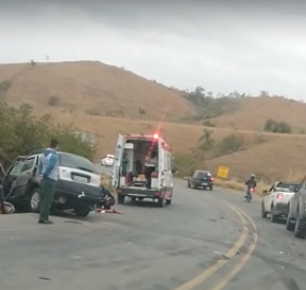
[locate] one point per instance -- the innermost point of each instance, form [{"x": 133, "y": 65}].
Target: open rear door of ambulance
[{"x": 118, "y": 160}]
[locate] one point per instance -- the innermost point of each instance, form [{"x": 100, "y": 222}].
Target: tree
[
  {"x": 277, "y": 127},
  {"x": 205, "y": 141},
  {"x": 230, "y": 144},
  {"x": 21, "y": 133}
]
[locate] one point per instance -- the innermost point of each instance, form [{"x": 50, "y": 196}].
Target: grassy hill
[
  {"x": 92, "y": 88},
  {"x": 107, "y": 100},
  {"x": 252, "y": 113}
]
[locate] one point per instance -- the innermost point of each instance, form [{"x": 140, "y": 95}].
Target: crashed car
[{"x": 77, "y": 189}]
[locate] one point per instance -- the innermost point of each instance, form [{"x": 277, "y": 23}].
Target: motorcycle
[{"x": 248, "y": 196}]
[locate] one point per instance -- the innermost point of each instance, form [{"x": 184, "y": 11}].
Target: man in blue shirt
[{"x": 48, "y": 171}]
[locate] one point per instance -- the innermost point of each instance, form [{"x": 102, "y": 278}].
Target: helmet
[{"x": 252, "y": 176}]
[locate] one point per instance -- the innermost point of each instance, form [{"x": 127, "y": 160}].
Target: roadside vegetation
[
  {"x": 209, "y": 148},
  {"x": 208, "y": 106},
  {"x": 277, "y": 127},
  {"x": 21, "y": 133}
]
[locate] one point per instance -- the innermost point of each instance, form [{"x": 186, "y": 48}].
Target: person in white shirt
[{"x": 150, "y": 166}]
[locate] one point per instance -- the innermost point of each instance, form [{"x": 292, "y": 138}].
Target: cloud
[{"x": 246, "y": 47}]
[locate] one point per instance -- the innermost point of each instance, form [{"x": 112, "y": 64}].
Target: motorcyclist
[{"x": 250, "y": 183}]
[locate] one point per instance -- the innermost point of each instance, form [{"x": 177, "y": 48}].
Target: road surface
[{"x": 204, "y": 240}]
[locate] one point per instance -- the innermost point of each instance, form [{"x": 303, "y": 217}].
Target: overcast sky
[{"x": 221, "y": 45}]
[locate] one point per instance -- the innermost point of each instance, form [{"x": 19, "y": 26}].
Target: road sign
[{"x": 222, "y": 171}]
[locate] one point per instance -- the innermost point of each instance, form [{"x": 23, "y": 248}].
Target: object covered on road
[{"x": 7, "y": 208}]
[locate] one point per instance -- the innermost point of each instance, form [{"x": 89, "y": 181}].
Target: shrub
[
  {"x": 21, "y": 133},
  {"x": 230, "y": 144},
  {"x": 54, "y": 101},
  {"x": 141, "y": 111},
  {"x": 277, "y": 127},
  {"x": 96, "y": 111},
  {"x": 5, "y": 86},
  {"x": 208, "y": 123},
  {"x": 185, "y": 163}
]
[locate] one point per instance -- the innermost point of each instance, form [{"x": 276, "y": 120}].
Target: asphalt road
[{"x": 204, "y": 240}]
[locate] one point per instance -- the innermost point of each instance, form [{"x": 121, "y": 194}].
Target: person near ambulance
[
  {"x": 48, "y": 173},
  {"x": 150, "y": 167}
]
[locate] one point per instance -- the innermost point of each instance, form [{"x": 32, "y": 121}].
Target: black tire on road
[
  {"x": 34, "y": 200},
  {"x": 289, "y": 224},
  {"x": 211, "y": 188},
  {"x": 161, "y": 202},
  {"x": 263, "y": 212},
  {"x": 298, "y": 231},
  {"x": 133, "y": 199},
  {"x": 188, "y": 184},
  {"x": 82, "y": 211},
  {"x": 273, "y": 217}
]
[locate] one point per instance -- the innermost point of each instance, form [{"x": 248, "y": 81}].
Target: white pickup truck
[{"x": 276, "y": 200}]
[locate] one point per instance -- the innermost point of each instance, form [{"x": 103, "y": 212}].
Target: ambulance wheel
[{"x": 161, "y": 202}]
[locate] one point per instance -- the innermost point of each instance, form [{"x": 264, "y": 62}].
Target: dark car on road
[
  {"x": 296, "y": 218},
  {"x": 77, "y": 189},
  {"x": 200, "y": 179}
]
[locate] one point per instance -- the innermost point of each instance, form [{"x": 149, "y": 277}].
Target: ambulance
[{"x": 142, "y": 169}]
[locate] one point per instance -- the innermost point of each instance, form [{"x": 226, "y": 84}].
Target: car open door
[
  {"x": 26, "y": 173},
  {"x": 118, "y": 160},
  {"x": 12, "y": 173},
  {"x": 269, "y": 198}
]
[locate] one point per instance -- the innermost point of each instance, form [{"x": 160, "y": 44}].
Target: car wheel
[
  {"x": 188, "y": 184},
  {"x": 121, "y": 199},
  {"x": 82, "y": 211},
  {"x": 133, "y": 199},
  {"x": 289, "y": 224},
  {"x": 299, "y": 232},
  {"x": 168, "y": 201},
  {"x": 273, "y": 217},
  {"x": 161, "y": 202},
  {"x": 34, "y": 204},
  {"x": 211, "y": 188},
  {"x": 263, "y": 212}
]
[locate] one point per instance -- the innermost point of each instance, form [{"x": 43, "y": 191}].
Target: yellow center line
[
  {"x": 235, "y": 270},
  {"x": 220, "y": 263}
]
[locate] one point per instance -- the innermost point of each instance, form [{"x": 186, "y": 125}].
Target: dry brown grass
[
  {"x": 108, "y": 90},
  {"x": 270, "y": 155},
  {"x": 239, "y": 186},
  {"x": 93, "y": 86},
  {"x": 252, "y": 113}
]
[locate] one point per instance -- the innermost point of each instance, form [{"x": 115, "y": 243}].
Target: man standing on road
[{"x": 48, "y": 171}]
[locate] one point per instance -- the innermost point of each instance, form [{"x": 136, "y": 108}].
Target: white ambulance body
[{"x": 130, "y": 174}]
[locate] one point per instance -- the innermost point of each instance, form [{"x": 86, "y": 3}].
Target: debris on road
[
  {"x": 44, "y": 278},
  {"x": 101, "y": 210},
  {"x": 8, "y": 208}
]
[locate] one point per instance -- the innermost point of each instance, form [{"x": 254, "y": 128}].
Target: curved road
[{"x": 204, "y": 240}]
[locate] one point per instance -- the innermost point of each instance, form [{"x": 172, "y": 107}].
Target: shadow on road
[{"x": 141, "y": 203}]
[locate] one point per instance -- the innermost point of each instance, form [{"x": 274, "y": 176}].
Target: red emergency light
[{"x": 155, "y": 136}]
